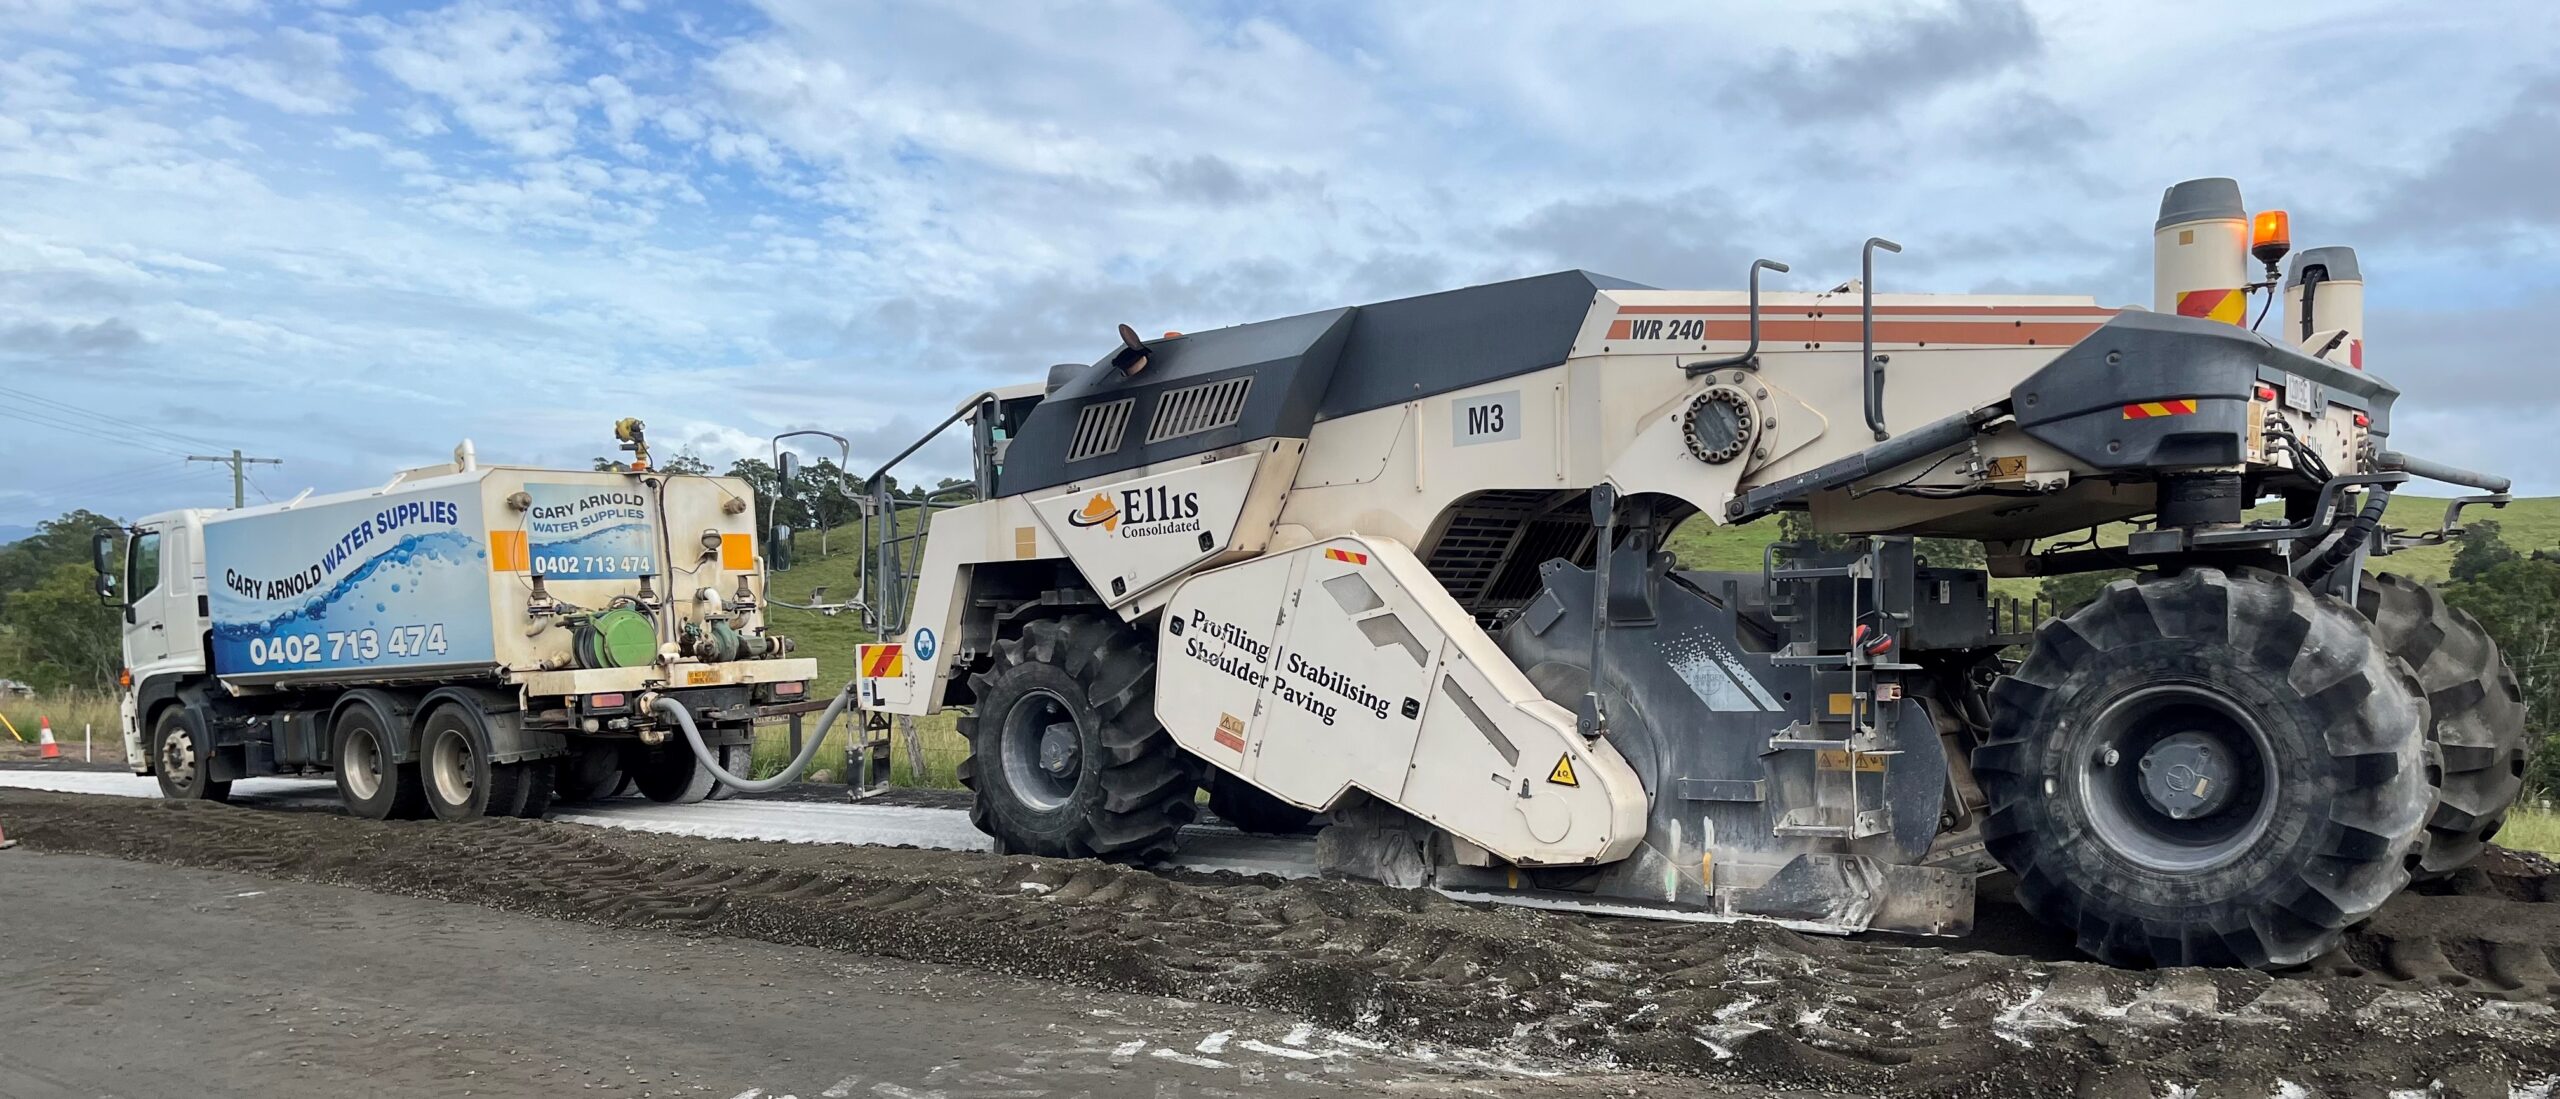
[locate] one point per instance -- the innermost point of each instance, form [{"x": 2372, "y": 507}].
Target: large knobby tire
[
  {"x": 1246, "y": 806},
  {"x": 183, "y": 763},
  {"x": 461, "y": 780},
  {"x": 2206, "y": 769},
  {"x": 1065, "y": 754},
  {"x": 2476, "y": 714},
  {"x": 369, "y": 782}
]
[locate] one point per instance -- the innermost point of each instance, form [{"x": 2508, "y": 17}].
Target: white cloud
[
  {"x": 515, "y": 220},
  {"x": 495, "y": 68}
]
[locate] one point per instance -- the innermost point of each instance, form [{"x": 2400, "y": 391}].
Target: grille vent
[
  {"x": 1194, "y": 409},
  {"x": 1099, "y": 428}
]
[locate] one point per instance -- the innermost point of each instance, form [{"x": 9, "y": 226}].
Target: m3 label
[{"x": 1490, "y": 418}]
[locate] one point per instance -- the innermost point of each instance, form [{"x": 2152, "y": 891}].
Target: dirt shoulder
[{"x": 1732, "y": 1004}]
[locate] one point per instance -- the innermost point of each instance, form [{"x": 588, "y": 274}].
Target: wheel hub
[
  {"x": 178, "y": 757},
  {"x": 1060, "y": 752},
  {"x": 363, "y": 766},
  {"x": 450, "y": 768},
  {"x": 2188, "y": 775},
  {"x": 2184, "y": 780},
  {"x": 1043, "y": 750}
]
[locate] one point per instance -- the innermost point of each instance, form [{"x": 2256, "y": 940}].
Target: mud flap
[{"x": 1851, "y": 893}]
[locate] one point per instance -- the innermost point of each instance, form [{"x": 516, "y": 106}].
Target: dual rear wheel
[{"x": 455, "y": 777}]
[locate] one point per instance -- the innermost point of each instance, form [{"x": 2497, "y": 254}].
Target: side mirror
[
  {"x": 777, "y": 549},
  {"x": 106, "y": 586},
  {"x": 102, "y": 552},
  {"x": 788, "y": 465}
]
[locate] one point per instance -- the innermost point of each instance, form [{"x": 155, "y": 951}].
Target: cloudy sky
[{"x": 348, "y": 234}]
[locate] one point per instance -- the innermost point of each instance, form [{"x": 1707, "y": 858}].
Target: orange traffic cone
[{"x": 44, "y": 742}]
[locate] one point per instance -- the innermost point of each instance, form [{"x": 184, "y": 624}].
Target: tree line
[{"x": 54, "y": 633}]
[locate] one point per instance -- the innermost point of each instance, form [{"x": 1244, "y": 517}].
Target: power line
[
  {"x": 96, "y": 480},
  {"x": 104, "y": 418},
  {"x": 89, "y": 432}
]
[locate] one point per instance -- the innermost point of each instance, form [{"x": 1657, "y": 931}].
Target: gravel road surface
[{"x": 131, "y": 979}]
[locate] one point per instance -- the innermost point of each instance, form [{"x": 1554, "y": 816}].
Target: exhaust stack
[
  {"x": 2324, "y": 305},
  {"x": 2200, "y": 252}
]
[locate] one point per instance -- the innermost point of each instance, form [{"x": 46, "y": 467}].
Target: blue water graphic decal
[{"x": 413, "y": 552}]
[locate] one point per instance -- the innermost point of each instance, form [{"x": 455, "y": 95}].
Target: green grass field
[
  {"x": 2532, "y": 829},
  {"x": 2526, "y": 524},
  {"x": 1699, "y": 544}
]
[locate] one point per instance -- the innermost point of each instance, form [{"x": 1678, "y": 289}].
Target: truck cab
[{"x": 159, "y": 575}]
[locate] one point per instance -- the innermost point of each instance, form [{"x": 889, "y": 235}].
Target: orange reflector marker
[
  {"x": 1346, "y": 555},
  {"x": 508, "y": 552},
  {"x": 2153, "y": 409},
  {"x": 882, "y": 661}
]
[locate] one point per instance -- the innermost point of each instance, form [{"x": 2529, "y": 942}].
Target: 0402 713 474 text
[{"x": 344, "y": 646}]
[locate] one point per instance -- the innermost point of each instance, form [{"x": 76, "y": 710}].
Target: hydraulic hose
[
  {"x": 2351, "y": 537},
  {"x": 703, "y": 755}
]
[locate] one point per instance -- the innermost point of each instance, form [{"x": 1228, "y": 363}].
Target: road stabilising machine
[
  {"x": 1401, "y": 564},
  {"x": 464, "y": 640}
]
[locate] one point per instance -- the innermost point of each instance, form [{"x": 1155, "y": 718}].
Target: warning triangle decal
[{"x": 1563, "y": 774}]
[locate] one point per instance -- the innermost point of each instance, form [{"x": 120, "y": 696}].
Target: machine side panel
[
  {"x": 1374, "y": 678},
  {"x": 1128, "y": 536}
]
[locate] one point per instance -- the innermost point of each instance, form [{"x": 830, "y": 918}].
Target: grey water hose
[{"x": 703, "y": 754}]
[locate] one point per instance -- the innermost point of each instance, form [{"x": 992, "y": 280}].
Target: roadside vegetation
[{"x": 56, "y": 638}]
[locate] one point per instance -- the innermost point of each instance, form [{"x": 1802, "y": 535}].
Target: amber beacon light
[{"x": 2270, "y": 237}]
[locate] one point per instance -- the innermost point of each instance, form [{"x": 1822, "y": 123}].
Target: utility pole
[{"x": 239, "y": 472}]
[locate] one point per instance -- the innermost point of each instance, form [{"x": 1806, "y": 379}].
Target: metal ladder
[{"x": 1879, "y": 612}]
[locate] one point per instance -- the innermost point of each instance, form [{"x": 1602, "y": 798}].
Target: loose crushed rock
[{"x": 2453, "y": 990}]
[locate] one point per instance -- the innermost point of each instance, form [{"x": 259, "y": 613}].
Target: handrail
[
  {"x": 966, "y": 407},
  {"x": 1750, "y": 356},
  {"x": 1870, "y": 364},
  {"x": 885, "y": 610}
]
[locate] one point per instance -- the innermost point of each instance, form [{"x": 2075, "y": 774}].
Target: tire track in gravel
[{"x": 1740, "y": 1002}]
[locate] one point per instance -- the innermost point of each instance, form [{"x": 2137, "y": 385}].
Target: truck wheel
[
  {"x": 539, "y": 780},
  {"x": 461, "y": 782},
  {"x": 369, "y": 782},
  {"x": 2475, "y": 714},
  {"x": 1064, "y": 751},
  {"x": 590, "y": 773},
  {"x": 2204, "y": 769},
  {"x": 668, "y": 774},
  {"x": 735, "y": 759},
  {"x": 183, "y": 763},
  {"x": 1240, "y": 803}
]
